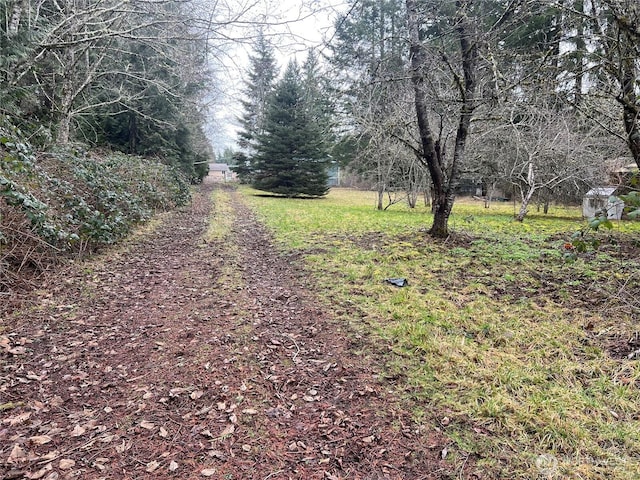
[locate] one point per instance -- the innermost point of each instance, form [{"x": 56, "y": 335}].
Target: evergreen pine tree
[
  {"x": 318, "y": 98},
  {"x": 262, "y": 75},
  {"x": 290, "y": 159}
]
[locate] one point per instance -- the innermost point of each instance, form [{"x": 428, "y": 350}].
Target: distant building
[
  {"x": 601, "y": 199},
  {"x": 220, "y": 172},
  {"x": 334, "y": 174}
]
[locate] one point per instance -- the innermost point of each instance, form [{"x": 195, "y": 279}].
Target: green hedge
[{"x": 70, "y": 200}]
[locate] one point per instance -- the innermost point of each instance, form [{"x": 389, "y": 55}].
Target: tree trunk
[
  {"x": 443, "y": 182},
  {"x": 579, "y": 56},
  {"x": 428, "y": 155},
  {"x": 631, "y": 107},
  {"x": 427, "y": 197},
  {"x": 15, "y": 17},
  {"x": 133, "y": 133},
  {"x": 380, "y": 205},
  {"x": 524, "y": 208},
  {"x": 412, "y": 198},
  {"x": 66, "y": 103},
  {"x": 531, "y": 189},
  {"x": 412, "y": 187},
  {"x": 489, "y": 196},
  {"x": 443, "y": 206},
  {"x": 64, "y": 129}
]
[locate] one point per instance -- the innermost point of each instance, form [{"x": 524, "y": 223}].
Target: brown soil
[{"x": 146, "y": 363}]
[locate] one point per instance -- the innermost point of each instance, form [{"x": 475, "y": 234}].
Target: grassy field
[{"x": 521, "y": 358}]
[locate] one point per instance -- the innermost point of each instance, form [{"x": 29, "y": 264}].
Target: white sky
[{"x": 293, "y": 26}]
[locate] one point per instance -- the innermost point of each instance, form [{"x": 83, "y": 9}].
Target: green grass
[
  {"x": 219, "y": 233},
  {"x": 494, "y": 330}
]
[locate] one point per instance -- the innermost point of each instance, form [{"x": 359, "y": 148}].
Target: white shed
[
  {"x": 602, "y": 198},
  {"x": 220, "y": 172}
]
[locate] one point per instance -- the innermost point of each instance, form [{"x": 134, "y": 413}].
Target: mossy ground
[{"x": 528, "y": 359}]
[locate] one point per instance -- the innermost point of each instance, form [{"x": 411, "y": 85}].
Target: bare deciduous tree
[{"x": 463, "y": 68}]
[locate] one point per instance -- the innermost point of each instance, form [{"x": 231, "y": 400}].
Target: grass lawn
[{"x": 521, "y": 358}]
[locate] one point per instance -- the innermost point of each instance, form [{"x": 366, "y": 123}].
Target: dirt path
[{"x": 147, "y": 363}]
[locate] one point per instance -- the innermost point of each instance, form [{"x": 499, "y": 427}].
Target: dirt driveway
[{"x": 146, "y": 363}]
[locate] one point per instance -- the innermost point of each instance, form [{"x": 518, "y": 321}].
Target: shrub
[{"x": 70, "y": 201}]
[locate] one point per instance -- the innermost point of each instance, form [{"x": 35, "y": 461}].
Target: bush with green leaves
[{"x": 72, "y": 201}]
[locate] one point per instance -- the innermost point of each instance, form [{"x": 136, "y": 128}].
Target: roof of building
[
  {"x": 601, "y": 192},
  {"x": 218, "y": 167}
]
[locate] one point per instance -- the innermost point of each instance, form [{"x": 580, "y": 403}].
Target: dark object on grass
[{"x": 398, "y": 282}]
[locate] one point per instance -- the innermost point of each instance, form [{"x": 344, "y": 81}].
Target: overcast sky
[{"x": 293, "y": 26}]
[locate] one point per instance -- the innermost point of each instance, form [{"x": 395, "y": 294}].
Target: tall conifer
[
  {"x": 261, "y": 78},
  {"x": 290, "y": 159}
]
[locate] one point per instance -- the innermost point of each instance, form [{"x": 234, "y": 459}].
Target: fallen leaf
[
  {"x": 369, "y": 439},
  {"x": 208, "y": 472},
  {"x": 250, "y": 411},
  {"x": 152, "y": 466},
  {"x": 147, "y": 396},
  {"x": 78, "y": 430},
  {"x": 174, "y": 392},
  {"x": 444, "y": 453},
  {"x": 147, "y": 425},
  {"x": 50, "y": 456},
  {"x": 123, "y": 447},
  {"x": 108, "y": 409},
  {"x": 40, "y": 439},
  {"x": 40, "y": 473},
  {"x": 196, "y": 395},
  {"x": 219, "y": 454},
  {"x": 163, "y": 432},
  {"x": 17, "y": 454},
  {"x": 18, "y": 419},
  {"x": 246, "y": 448},
  {"x": 173, "y": 466},
  {"x": 66, "y": 464},
  {"x": 229, "y": 430},
  {"x": 17, "y": 351}
]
